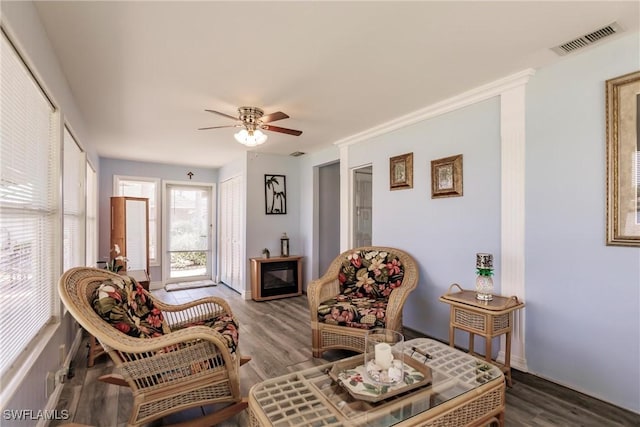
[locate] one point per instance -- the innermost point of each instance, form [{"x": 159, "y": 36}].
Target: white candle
[{"x": 383, "y": 355}]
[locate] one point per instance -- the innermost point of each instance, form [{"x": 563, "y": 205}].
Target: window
[
  {"x": 148, "y": 188},
  {"x": 29, "y": 218},
  {"x": 92, "y": 217},
  {"x": 74, "y": 203}
]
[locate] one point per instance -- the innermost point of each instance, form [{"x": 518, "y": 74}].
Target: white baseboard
[
  {"x": 516, "y": 362},
  {"x": 52, "y": 403}
]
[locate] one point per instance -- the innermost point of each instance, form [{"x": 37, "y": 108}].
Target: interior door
[
  {"x": 189, "y": 233},
  {"x": 362, "y": 206},
  {"x": 230, "y": 233}
]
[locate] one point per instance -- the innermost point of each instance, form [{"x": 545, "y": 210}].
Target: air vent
[
  {"x": 587, "y": 39},
  {"x": 297, "y": 154}
]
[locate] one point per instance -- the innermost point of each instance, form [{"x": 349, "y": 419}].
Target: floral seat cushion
[
  {"x": 225, "y": 325},
  {"x": 353, "y": 311},
  {"x": 366, "y": 279},
  {"x": 122, "y": 303},
  {"x": 371, "y": 274}
]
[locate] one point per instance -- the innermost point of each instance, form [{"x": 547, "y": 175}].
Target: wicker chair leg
[{"x": 316, "y": 343}]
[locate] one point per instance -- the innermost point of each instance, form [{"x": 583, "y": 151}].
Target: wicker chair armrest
[
  {"x": 150, "y": 363},
  {"x": 202, "y": 309}
]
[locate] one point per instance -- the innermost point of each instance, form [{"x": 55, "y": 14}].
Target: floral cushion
[
  {"x": 226, "y": 325},
  {"x": 370, "y": 274},
  {"x": 355, "y": 312},
  {"x": 122, "y": 302}
]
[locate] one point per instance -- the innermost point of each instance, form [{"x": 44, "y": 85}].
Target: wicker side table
[{"x": 488, "y": 319}]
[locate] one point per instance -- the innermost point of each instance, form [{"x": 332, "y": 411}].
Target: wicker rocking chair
[
  {"x": 363, "y": 288},
  {"x": 187, "y": 365}
]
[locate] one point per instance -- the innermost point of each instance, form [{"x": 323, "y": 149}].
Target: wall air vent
[
  {"x": 587, "y": 39},
  {"x": 297, "y": 154}
]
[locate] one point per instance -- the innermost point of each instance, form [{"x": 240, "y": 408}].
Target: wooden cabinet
[
  {"x": 276, "y": 277},
  {"x": 130, "y": 231}
]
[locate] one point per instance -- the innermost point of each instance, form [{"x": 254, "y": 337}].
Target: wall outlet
[{"x": 62, "y": 355}]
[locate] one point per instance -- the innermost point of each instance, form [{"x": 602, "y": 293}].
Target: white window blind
[
  {"x": 92, "y": 217},
  {"x": 29, "y": 262},
  {"x": 74, "y": 203},
  {"x": 147, "y": 188}
]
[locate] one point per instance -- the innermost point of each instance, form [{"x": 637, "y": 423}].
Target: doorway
[
  {"x": 189, "y": 229},
  {"x": 230, "y": 239},
  {"x": 362, "y": 214},
  {"x": 328, "y": 215}
]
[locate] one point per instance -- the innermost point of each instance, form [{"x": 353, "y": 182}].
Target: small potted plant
[{"x": 266, "y": 253}]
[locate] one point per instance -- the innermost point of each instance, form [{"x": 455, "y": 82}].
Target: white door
[
  {"x": 189, "y": 228},
  {"x": 231, "y": 233}
]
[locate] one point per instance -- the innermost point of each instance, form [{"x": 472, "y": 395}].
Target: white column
[
  {"x": 345, "y": 178},
  {"x": 512, "y": 261}
]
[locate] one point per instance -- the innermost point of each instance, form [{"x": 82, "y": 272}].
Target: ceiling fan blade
[
  {"x": 279, "y": 115},
  {"x": 222, "y": 114},
  {"x": 282, "y": 130},
  {"x": 219, "y": 127}
]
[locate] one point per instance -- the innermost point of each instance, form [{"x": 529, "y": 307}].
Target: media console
[{"x": 276, "y": 277}]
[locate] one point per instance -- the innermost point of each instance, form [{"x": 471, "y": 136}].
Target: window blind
[
  {"x": 74, "y": 203},
  {"x": 29, "y": 264}
]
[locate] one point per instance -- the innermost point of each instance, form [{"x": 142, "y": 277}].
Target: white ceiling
[{"x": 143, "y": 72}]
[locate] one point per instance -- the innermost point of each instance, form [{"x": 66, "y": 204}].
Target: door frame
[
  {"x": 351, "y": 215},
  {"x": 166, "y": 264}
]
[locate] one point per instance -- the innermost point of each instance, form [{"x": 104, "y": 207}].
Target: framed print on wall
[
  {"x": 275, "y": 194},
  {"x": 446, "y": 177},
  {"x": 401, "y": 172},
  {"x": 623, "y": 160}
]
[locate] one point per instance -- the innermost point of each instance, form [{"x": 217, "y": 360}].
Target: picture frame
[
  {"x": 401, "y": 172},
  {"x": 446, "y": 177},
  {"x": 275, "y": 194},
  {"x": 623, "y": 160}
]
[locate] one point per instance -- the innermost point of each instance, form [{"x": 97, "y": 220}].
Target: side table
[{"x": 488, "y": 319}]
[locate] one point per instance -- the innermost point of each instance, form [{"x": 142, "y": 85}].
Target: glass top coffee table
[{"x": 464, "y": 390}]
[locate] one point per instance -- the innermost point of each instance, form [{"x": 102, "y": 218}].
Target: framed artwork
[
  {"x": 623, "y": 160},
  {"x": 446, "y": 177},
  {"x": 401, "y": 172},
  {"x": 275, "y": 194}
]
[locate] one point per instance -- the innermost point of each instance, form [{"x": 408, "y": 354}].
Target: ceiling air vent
[
  {"x": 587, "y": 39},
  {"x": 297, "y": 154}
]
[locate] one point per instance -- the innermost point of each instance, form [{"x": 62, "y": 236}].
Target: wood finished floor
[{"x": 276, "y": 334}]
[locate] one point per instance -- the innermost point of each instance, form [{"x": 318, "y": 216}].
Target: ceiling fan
[{"x": 252, "y": 120}]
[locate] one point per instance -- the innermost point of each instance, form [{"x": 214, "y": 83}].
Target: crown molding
[{"x": 464, "y": 99}]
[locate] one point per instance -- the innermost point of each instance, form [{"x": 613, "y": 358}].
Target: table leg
[
  {"x": 452, "y": 335},
  {"x": 472, "y": 339},
  {"x": 487, "y": 344},
  {"x": 507, "y": 357}
]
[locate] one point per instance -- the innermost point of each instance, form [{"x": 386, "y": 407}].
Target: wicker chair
[
  {"x": 188, "y": 366},
  {"x": 344, "y": 304}
]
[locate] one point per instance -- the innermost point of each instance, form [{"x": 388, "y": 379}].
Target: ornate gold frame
[
  {"x": 446, "y": 177},
  {"x": 401, "y": 172},
  {"x": 623, "y": 160}
]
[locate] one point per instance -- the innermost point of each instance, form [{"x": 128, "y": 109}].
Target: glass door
[{"x": 189, "y": 230}]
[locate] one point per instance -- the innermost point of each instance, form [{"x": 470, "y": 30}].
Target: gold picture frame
[
  {"x": 401, "y": 172},
  {"x": 623, "y": 160},
  {"x": 446, "y": 177}
]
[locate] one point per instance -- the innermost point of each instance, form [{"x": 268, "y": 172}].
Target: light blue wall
[
  {"x": 444, "y": 234},
  {"x": 111, "y": 167},
  {"x": 583, "y": 297}
]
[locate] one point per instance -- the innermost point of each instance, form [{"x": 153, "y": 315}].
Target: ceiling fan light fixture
[{"x": 250, "y": 138}]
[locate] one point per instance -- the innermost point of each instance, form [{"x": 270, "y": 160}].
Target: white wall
[
  {"x": 262, "y": 230},
  {"x": 583, "y": 297},
  {"x": 444, "y": 234},
  {"x": 22, "y": 23}
]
